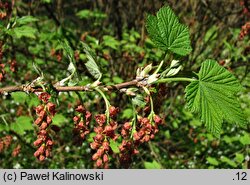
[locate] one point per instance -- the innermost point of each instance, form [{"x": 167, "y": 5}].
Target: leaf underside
[
  {"x": 91, "y": 62},
  {"x": 167, "y": 33},
  {"x": 213, "y": 97}
]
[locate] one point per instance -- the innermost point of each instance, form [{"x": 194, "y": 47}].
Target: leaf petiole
[
  {"x": 183, "y": 79},
  {"x": 107, "y": 104}
]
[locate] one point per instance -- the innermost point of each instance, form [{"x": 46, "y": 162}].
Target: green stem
[
  {"x": 133, "y": 121},
  {"x": 80, "y": 97},
  {"x": 166, "y": 55},
  {"x": 151, "y": 104},
  {"x": 107, "y": 104},
  {"x": 164, "y": 80},
  {"x": 152, "y": 113}
]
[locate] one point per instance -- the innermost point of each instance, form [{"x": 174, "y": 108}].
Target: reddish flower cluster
[
  {"x": 45, "y": 112},
  {"x": 245, "y": 5},
  {"x": 5, "y": 9},
  {"x": 126, "y": 129},
  {"x": 245, "y": 29},
  {"x": 127, "y": 150},
  {"x": 104, "y": 133},
  {"x": 45, "y": 143},
  {"x": 5, "y": 142},
  {"x": 13, "y": 65},
  {"x": 2, "y": 72},
  {"x": 146, "y": 131},
  {"x": 82, "y": 120},
  {"x": 16, "y": 151},
  {"x": 113, "y": 111},
  {"x": 77, "y": 55}
]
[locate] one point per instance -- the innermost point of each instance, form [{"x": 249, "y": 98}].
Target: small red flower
[
  {"x": 113, "y": 111},
  {"x": 44, "y": 97},
  {"x": 51, "y": 108},
  {"x": 100, "y": 119},
  {"x": 80, "y": 109}
]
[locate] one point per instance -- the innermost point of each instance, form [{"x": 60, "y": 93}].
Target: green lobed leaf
[
  {"x": 138, "y": 100},
  {"x": 154, "y": 33},
  {"x": 59, "y": 119},
  {"x": 19, "y": 97},
  {"x": 213, "y": 97},
  {"x": 24, "y": 31},
  {"x": 110, "y": 41},
  {"x": 167, "y": 33},
  {"x": 127, "y": 113},
  {"x": 26, "y": 19},
  {"x": 22, "y": 124},
  {"x": 245, "y": 139}
]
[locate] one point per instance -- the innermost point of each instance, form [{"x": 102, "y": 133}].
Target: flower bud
[
  {"x": 157, "y": 119},
  {"x": 95, "y": 157},
  {"x": 38, "y": 121},
  {"x": 98, "y": 130},
  {"x": 37, "y": 153},
  {"x": 43, "y": 126},
  {"x": 100, "y": 151},
  {"x": 105, "y": 145},
  {"x": 135, "y": 151},
  {"x": 146, "y": 138},
  {"x": 49, "y": 142},
  {"x": 41, "y": 158},
  {"x": 105, "y": 158},
  {"x": 100, "y": 119},
  {"x": 113, "y": 111},
  {"x": 48, "y": 120},
  {"x": 51, "y": 108},
  {"x": 76, "y": 119},
  {"x": 42, "y": 114},
  {"x": 94, "y": 145},
  {"x": 108, "y": 129},
  {"x": 39, "y": 108},
  {"x": 43, "y": 132},
  {"x": 88, "y": 116},
  {"x": 80, "y": 109},
  {"x": 81, "y": 124},
  {"x": 41, "y": 149},
  {"x": 44, "y": 97},
  {"x": 99, "y": 163},
  {"x": 99, "y": 138},
  {"x": 136, "y": 136},
  {"x": 124, "y": 133},
  {"x": 38, "y": 142},
  {"x": 127, "y": 126}
]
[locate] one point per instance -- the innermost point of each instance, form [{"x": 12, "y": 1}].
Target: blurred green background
[{"x": 116, "y": 31}]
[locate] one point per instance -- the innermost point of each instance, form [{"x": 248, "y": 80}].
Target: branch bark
[{"x": 29, "y": 88}]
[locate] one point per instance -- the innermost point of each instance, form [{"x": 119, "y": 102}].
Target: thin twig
[{"x": 29, "y": 88}]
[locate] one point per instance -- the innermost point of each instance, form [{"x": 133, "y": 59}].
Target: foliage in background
[{"x": 32, "y": 37}]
